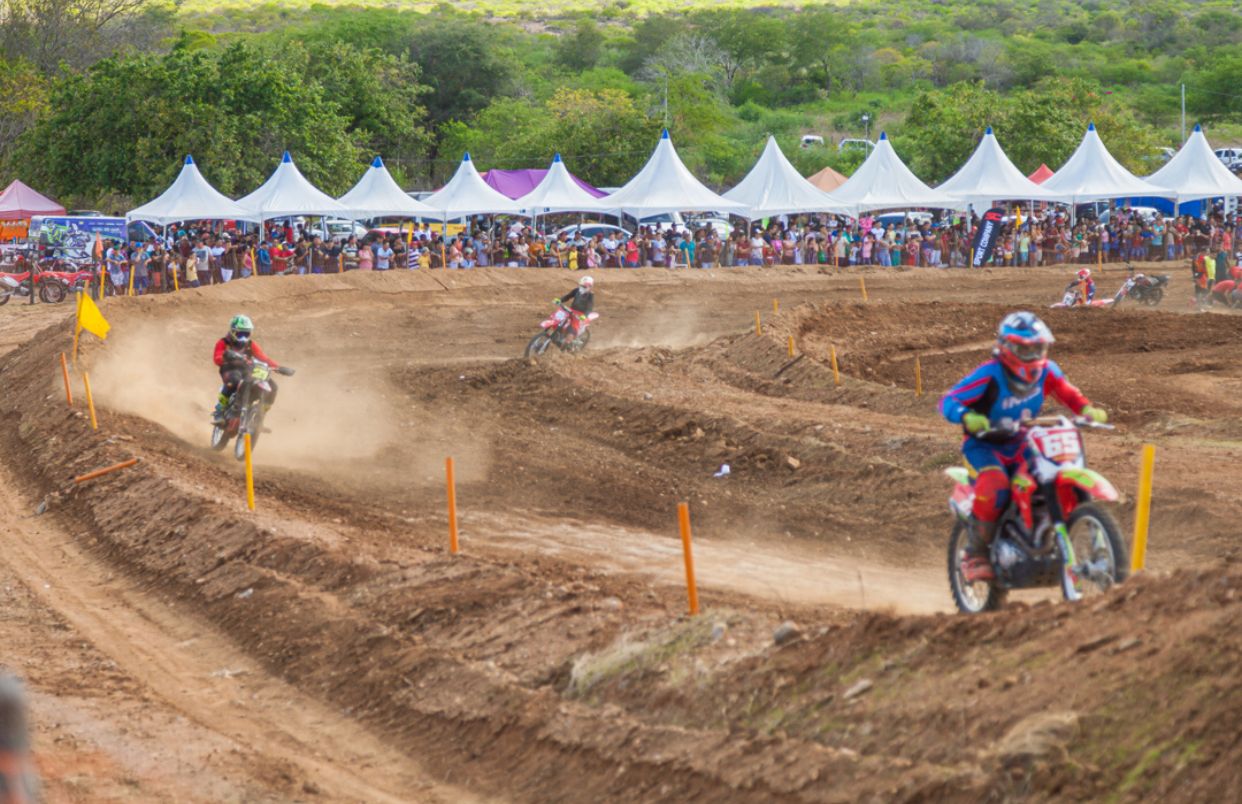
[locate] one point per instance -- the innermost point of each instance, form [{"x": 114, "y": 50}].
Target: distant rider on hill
[
  {"x": 1086, "y": 286},
  {"x": 580, "y": 302},
  {"x": 998, "y": 394},
  {"x": 233, "y": 352}
]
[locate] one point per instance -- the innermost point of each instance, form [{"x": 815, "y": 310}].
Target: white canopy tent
[
  {"x": 377, "y": 195},
  {"x": 467, "y": 194},
  {"x": 884, "y": 182},
  {"x": 190, "y": 198},
  {"x": 287, "y": 193},
  {"x": 1092, "y": 174},
  {"x": 558, "y": 192},
  {"x": 1195, "y": 173},
  {"x": 988, "y": 176},
  {"x": 774, "y": 187},
  {"x": 665, "y": 185}
]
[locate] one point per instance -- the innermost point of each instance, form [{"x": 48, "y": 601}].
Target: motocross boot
[{"x": 977, "y": 563}]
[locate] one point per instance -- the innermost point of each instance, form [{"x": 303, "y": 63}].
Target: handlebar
[{"x": 1082, "y": 422}]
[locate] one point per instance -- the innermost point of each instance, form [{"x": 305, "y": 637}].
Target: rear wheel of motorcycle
[
  {"x": 581, "y": 341},
  {"x": 1153, "y": 297},
  {"x": 538, "y": 344},
  {"x": 4, "y": 298},
  {"x": 970, "y": 598},
  {"x": 1098, "y": 544},
  {"x": 219, "y": 437},
  {"x": 51, "y": 292}
]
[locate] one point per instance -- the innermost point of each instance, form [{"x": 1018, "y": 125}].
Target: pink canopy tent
[
  {"x": 1041, "y": 174},
  {"x": 517, "y": 183},
  {"x": 19, "y": 202}
]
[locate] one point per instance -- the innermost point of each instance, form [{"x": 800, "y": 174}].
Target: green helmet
[{"x": 241, "y": 328}]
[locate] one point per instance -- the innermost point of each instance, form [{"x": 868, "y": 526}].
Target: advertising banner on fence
[
  {"x": 75, "y": 235},
  {"x": 985, "y": 238}
]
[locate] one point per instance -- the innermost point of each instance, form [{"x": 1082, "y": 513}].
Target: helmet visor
[
  {"x": 241, "y": 335},
  {"x": 1027, "y": 352}
]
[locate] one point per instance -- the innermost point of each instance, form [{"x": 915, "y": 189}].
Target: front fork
[{"x": 1071, "y": 582}]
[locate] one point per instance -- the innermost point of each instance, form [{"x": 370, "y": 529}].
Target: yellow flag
[
  {"x": 90, "y": 319},
  {"x": 1018, "y": 218}
]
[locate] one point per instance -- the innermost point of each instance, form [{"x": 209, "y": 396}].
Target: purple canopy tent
[{"x": 517, "y": 183}]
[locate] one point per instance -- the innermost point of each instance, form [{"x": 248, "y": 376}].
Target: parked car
[
  {"x": 718, "y": 222},
  {"x": 589, "y": 230},
  {"x": 851, "y": 142},
  {"x": 340, "y": 228},
  {"x": 811, "y": 139},
  {"x": 1232, "y": 157}
]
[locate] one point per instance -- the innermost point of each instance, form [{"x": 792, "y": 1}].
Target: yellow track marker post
[
  {"x": 131, "y": 281},
  {"x": 683, "y": 522},
  {"x": 918, "y": 376},
  {"x": 758, "y": 325},
  {"x": 452, "y": 504},
  {"x": 776, "y": 306},
  {"x": 791, "y": 346},
  {"x": 249, "y": 473},
  {"x": 862, "y": 285},
  {"x": 1142, "y": 509},
  {"x": 836, "y": 372},
  {"x": 176, "y": 282},
  {"x": 64, "y": 373},
  {"x": 90, "y": 400}
]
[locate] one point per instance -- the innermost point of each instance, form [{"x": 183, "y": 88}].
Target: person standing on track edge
[
  {"x": 579, "y": 302},
  {"x": 232, "y": 352},
  {"x": 1001, "y": 392}
]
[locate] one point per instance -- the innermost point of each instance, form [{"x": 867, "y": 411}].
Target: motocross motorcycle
[
  {"x": 1143, "y": 289},
  {"x": 50, "y": 290},
  {"x": 1073, "y": 298},
  {"x": 560, "y": 334},
  {"x": 1054, "y": 532},
  {"x": 247, "y": 408}
]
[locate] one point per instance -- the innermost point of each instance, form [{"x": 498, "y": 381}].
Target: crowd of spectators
[{"x": 203, "y": 256}]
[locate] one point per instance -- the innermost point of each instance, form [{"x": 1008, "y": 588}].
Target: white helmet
[{"x": 586, "y": 283}]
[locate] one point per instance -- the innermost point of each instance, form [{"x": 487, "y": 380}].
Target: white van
[{"x": 1232, "y": 157}]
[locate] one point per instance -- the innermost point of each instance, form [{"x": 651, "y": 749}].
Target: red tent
[
  {"x": 1041, "y": 174},
  {"x": 19, "y": 202}
]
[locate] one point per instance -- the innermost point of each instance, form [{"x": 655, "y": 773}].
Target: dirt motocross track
[{"x": 551, "y": 660}]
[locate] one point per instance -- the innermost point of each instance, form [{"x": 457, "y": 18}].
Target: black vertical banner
[{"x": 985, "y": 238}]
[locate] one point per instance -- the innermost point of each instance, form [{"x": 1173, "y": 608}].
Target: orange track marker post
[
  {"x": 862, "y": 285},
  {"x": 64, "y": 373},
  {"x": 918, "y": 376},
  {"x": 1142, "y": 510},
  {"x": 90, "y": 400},
  {"x": 683, "y": 522},
  {"x": 452, "y": 504},
  {"x": 776, "y": 306},
  {"x": 107, "y": 470},
  {"x": 758, "y": 325},
  {"x": 249, "y": 473},
  {"x": 836, "y": 372}
]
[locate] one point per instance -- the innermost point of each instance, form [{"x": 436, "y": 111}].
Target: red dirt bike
[
  {"x": 51, "y": 290},
  {"x": 1054, "y": 531},
  {"x": 74, "y": 277},
  {"x": 1143, "y": 289},
  {"x": 561, "y": 333},
  {"x": 247, "y": 408}
]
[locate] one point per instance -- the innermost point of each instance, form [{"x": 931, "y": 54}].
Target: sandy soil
[{"x": 550, "y": 658}]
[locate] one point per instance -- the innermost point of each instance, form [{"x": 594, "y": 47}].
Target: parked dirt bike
[
  {"x": 51, "y": 291},
  {"x": 1073, "y": 298},
  {"x": 560, "y": 334},
  {"x": 1143, "y": 289},
  {"x": 247, "y": 408},
  {"x": 1054, "y": 531}
]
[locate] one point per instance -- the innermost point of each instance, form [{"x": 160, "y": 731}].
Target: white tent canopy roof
[
  {"x": 775, "y": 187},
  {"x": 377, "y": 195},
  {"x": 190, "y": 198},
  {"x": 989, "y": 176},
  {"x": 467, "y": 194},
  {"x": 884, "y": 182},
  {"x": 558, "y": 192},
  {"x": 1092, "y": 174},
  {"x": 287, "y": 193},
  {"x": 1195, "y": 173},
  {"x": 665, "y": 185}
]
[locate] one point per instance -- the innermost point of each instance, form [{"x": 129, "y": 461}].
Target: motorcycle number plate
[
  {"x": 259, "y": 373},
  {"x": 1062, "y": 444}
]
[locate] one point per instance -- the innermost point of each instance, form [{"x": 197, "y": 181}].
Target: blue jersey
[{"x": 986, "y": 390}]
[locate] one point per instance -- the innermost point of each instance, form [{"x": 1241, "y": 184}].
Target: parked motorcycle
[
  {"x": 561, "y": 333},
  {"x": 50, "y": 290},
  {"x": 247, "y": 408},
  {"x": 1143, "y": 289},
  {"x": 1054, "y": 531}
]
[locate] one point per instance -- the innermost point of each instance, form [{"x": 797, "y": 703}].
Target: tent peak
[
  {"x": 664, "y": 134},
  {"x": 987, "y": 132},
  {"x": 883, "y": 135},
  {"x": 189, "y": 160},
  {"x": 556, "y": 157},
  {"x": 1198, "y": 127},
  {"x": 286, "y": 157},
  {"x": 378, "y": 162},
  {"x": 465, "y": 157},
  {"x": 1091, "y": 127}
]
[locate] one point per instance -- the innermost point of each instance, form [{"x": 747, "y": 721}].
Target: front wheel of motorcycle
[
  {"x": 538, "y": 344},
  {"x": 51, "y": 292},
  {"x": 252, "y": 422},
  {"x": 970, "y": 598},
  {"x": 1100, "y": 555},
  {"x": 4, "y": 298},
  {"x": 219, "y": 437}
]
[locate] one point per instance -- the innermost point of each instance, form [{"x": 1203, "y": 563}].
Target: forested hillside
[{"x": 99, "y": 99}]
